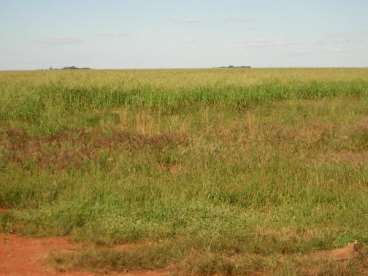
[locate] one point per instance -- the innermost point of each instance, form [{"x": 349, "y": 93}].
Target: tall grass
[{"x": 41, "y": 104}]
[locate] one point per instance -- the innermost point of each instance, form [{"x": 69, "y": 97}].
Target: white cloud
[
  {"x": 112, "y": 35},
  {"x": 239, "y": 19},
  {"x": 299, "y": 47},
  {"x": 60, "y": 41},
  {"x": 185, "y": 20},
  {"x": 268, "y": 43}
]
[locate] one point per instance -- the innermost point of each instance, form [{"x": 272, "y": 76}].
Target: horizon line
[{"x": 248, "y": 67}]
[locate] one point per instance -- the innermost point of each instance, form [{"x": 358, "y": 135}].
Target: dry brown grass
[{"x": 70, "y": 149}]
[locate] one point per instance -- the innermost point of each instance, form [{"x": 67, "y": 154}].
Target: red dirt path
[
  {"x": 2, "y": 210},
  {"x": 23, "y": 256},
  {"x": 27, "y": 256}
]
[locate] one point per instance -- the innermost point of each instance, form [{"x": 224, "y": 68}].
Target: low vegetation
[{"x": 222, "y": 171}]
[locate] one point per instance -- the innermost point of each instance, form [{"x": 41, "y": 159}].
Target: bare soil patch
[
  {"x": 348, "y": 260},
  {"x": 27, "y": 256},
  {"x": 346, "y": 253},
  {"x": 142, "y": 273}
]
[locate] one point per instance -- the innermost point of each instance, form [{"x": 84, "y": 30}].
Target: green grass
[{"x": 227, "y": 171}]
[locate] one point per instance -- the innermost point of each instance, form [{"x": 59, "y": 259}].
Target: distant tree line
[
  {"x": 235, "y": 67},
  {"x": 70, "y": 68}
]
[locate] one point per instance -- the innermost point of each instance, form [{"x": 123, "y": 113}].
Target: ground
[
  {"x": 28, "y": 256},
  {"x": 187, "y": 172}
]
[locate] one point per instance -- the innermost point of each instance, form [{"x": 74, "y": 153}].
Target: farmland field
[{"x": 227, "y": 171}]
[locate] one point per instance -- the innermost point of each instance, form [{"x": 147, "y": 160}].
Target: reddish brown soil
[
  {"x": 27, "y": 256},
  {"x": 2, "y": 210},
  {"x": 23, "y": 256},
  {"x": 341, "y": 254},
  {"x": 143, "y": 273}
]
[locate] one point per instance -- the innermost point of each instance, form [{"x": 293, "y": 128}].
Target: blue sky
[{"x": 175, "y": 33}]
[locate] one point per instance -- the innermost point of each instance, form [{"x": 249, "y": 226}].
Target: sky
[{"x": 37, "y": 34}]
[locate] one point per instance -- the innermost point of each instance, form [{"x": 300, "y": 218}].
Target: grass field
[{"x": 195, "y": 171}]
